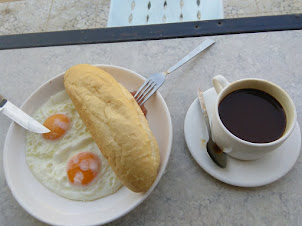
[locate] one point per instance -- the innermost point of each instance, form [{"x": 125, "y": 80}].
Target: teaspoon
[{"x": 216, "y": 154}]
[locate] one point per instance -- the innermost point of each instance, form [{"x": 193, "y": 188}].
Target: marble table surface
[{"x": 186, "y": 194}]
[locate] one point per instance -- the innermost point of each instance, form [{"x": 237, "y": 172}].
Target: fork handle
[{"x": 192, "y": 54}]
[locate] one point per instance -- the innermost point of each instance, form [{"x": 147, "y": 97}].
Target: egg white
[{"x": 48, "y": 159}]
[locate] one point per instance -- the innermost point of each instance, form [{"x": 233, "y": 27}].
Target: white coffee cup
[{"x": 233, "y": 145}]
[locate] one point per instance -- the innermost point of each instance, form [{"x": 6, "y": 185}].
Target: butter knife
[{"x": 21, "y": 117}]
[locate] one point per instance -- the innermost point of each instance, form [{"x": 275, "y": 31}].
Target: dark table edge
[{"x": 153, "y": 32}]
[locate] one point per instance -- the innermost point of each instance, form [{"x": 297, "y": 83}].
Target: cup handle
[{"x": 219, "y": 82}]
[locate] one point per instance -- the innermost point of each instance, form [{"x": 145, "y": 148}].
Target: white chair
[{"x": 142, "y": 12}]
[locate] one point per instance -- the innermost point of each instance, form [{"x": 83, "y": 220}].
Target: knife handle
[{"x": 2, "y": 101}]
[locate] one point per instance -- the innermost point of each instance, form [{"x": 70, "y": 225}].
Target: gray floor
[{"x": 27, "y": 16}]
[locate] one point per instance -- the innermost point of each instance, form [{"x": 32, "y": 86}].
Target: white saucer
[{"x": 239, "y": 173}]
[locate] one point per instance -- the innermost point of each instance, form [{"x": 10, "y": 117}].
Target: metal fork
[{"x": 155, "y": 80}]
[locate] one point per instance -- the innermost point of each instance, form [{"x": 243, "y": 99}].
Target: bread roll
[{"x": 116, "y": 123}]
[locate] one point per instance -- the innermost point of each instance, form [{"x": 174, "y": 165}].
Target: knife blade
[{"x": 21, "y": 117}]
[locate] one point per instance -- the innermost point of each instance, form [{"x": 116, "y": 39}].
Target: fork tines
[{"x": 145, "y": 89}]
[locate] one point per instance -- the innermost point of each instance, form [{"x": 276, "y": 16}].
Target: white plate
[
  {"x": 239, "y": 173},
  {"x": 53, "y": 209}
]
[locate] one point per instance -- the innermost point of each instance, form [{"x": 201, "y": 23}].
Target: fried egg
[{"x": 67, "y": 160}]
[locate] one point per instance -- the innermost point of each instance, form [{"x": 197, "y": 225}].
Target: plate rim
[{"x": 123, "y": 213}]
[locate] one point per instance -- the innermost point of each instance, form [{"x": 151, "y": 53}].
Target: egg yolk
[
  {"x": 83, "y": 168},
  {"x": 58, "y": 125}
]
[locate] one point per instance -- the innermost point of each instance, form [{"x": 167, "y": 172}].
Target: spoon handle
[
  {"x": 193, "y": 53},
  {"x": 204, "y": 110}
]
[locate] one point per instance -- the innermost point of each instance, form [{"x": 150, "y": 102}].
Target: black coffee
[{"x": 253, "y": 115}]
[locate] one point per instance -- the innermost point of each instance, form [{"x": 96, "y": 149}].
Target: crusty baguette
[{"x": 116, "y": 123}]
